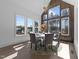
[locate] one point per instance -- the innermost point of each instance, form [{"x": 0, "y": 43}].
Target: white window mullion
[{"x": 25, "y": 26}]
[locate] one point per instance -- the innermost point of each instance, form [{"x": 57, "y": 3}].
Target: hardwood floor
[{"x": 23, "y": 51}]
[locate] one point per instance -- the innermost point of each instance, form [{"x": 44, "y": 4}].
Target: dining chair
[
  {"x": 33, "y": 40},
  {"x": 56, "y": 41},
  {"x": 48, "y": 40}
]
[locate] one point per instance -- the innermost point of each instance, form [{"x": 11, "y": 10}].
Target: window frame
[
  {"x": 24, "y": 25},
  {"x": 37, "y": 26}
]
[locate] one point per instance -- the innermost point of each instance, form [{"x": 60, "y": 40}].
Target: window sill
[{"x": 20, "y": 35}]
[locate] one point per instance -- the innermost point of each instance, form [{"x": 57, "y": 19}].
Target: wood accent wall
[{"x": 63, "y": 5}]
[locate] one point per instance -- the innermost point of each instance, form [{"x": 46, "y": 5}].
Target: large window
[
  {"x": 65, "y": 26},
  {"x": 54, "y": 25},
  {"x": 24, "y": 25},
  {"x": 29, "y": 25},
  {"x": 54, "y": 12},
  {"x": 20, "y": 25},
  {"x": 36, "y": 26}
]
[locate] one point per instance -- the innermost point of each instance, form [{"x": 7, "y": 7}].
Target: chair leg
[
  {"x": 56, "y": 52},
  {"x": 45, "y": 47},
  {"x": 31, "y": 45},
  {"x": 35, "y": 46},
  {"x": 51, "y": 47}
]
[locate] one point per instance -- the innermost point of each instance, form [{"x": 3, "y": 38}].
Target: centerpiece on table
[{"x": 43, "y": 27}]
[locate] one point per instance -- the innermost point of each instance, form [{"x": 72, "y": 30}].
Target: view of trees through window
[
  {"x": 54, "y": 25},
  {"x": 32, "y": 25},
  {"x": 36, "y": 25},
  {"x": 20, "y": 27},
  {"x": 29, "y": 25}
]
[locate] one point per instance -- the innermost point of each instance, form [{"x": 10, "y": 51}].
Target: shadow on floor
[{"x": 23, "y": 51}]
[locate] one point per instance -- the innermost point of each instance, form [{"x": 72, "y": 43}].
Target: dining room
[{"x": 39, "y": 29}]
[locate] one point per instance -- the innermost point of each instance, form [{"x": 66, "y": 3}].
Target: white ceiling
[{"x": 36, "y": 6}]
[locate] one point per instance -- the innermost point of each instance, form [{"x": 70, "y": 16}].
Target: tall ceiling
[{"x": 36, "y": 6}]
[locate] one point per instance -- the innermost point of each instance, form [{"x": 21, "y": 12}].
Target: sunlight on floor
[
  {"x": 64, "y": 52},
  {"x": 18, "y": 47},
  {"x": 11, "y": 56}
]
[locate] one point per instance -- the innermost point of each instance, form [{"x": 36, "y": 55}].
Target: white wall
[
  {"x": 76, "y": 29},
  {"x": 8, "y": 10}
]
